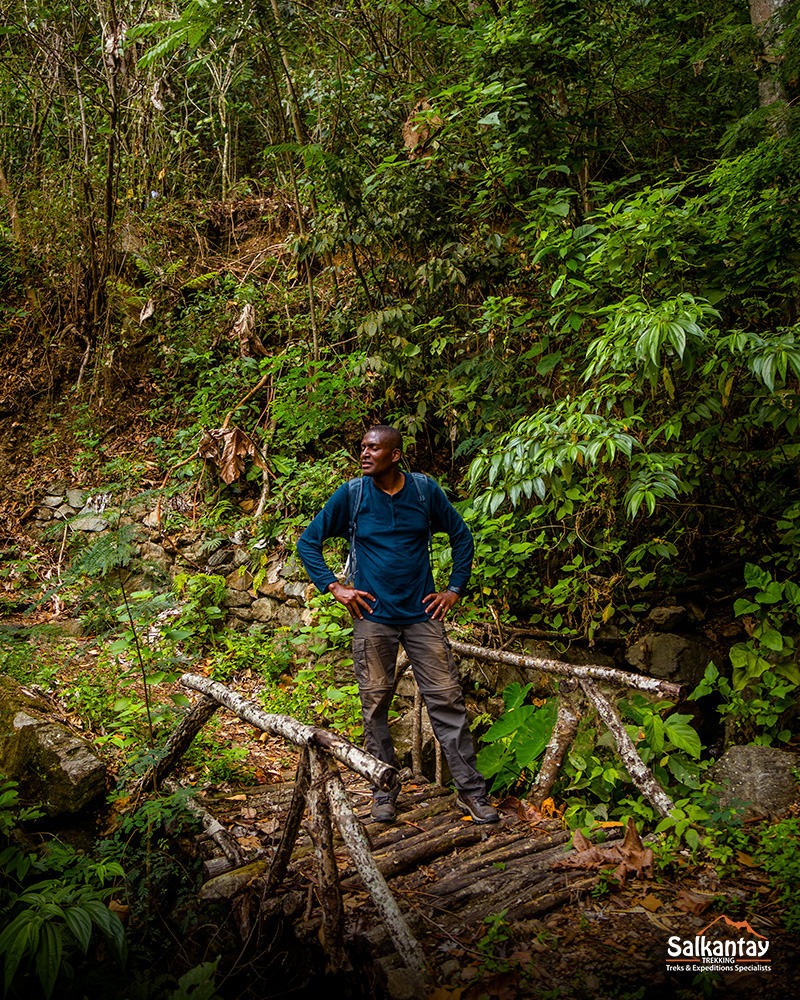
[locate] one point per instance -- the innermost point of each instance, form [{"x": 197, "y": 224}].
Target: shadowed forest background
[{"x": 556, "y": 243}]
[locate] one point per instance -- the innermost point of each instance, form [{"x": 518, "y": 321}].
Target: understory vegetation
[{"x": 555, "y": 242}]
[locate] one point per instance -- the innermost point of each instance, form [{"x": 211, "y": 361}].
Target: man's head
[{"x": 381, "y": 450}]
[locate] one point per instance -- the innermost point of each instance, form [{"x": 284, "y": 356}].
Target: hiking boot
[
  {"x": 383, "y": 808},
  {"x": 479, "y": 807}
]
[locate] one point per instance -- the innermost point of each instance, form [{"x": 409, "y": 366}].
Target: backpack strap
[
  {"x": 355, "y": 489},
  {"x": 422, "y": 484}
]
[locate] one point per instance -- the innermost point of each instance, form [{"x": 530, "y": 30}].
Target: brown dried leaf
[
  {"x": 628, "y": 858},
  {"x": 651, "y": 902},
  {"x": 244, "y": 329},
  {"x": 520, "y": 809},
  {"x": 692, "y": 902},
  {"x": 226, "y": 448}
]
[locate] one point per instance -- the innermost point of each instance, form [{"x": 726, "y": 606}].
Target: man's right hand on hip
[{"x": 352, "y": 599}]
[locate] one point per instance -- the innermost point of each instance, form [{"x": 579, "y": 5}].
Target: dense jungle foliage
[{"x": 555, "y": 242}]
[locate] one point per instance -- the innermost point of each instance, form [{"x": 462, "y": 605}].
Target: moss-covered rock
[{"x": 52, "y": 765}]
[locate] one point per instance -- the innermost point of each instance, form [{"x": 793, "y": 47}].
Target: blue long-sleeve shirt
[{"x": 392, "y": 547}]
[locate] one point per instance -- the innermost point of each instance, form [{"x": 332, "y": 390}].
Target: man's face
[{"x": 377, "y": 454}]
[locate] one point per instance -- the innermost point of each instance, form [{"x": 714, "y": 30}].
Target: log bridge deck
[
  {"x": 402, "y": 893},
  {"x": 447, "y": 874}
]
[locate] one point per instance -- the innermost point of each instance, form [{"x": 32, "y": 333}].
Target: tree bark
[
  {"x": 407, "y": 946},
  {"x": 639, "y": 773},
  {"x": 330, "y": 891},
  {"x": 291, "y": 825},
  {"x": 358, "y": 760},
  {"x": 563, "y": 734},
  {"x": 178, "y": 743},
  {"x": 662, "y": 689},
  {"x": 215, "y": 830}
]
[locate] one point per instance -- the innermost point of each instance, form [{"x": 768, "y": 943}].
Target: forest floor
[{"x": 609, "y": 941}]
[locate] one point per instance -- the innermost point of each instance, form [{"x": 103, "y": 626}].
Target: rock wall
[{"x": 261, "y": 587}]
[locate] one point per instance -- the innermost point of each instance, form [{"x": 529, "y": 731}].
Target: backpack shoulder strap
[
  {"x": 422, "y": 483},
  {"x": 355, "y": 489}
]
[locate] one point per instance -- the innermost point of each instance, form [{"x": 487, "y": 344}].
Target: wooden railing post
[
  {"x": 291, "y": 826},
  {"x": 330, "y": 891}
]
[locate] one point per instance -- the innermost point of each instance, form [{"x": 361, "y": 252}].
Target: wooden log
[
  {"x": 550, "y": 899},
  {"x": 563, "y": 734},
  {"x": 178, "y": 743},
  {"x": 522, "y": 849},
  {"x": 640, "y": 774},
  {"x": 291, "y": 825},
  {"x": 424, "y": 850},
  {"x": 408, "y": 948},
  {"x": 226, "y": 842},
  {"x": 661, "y": 689},
  {"x": 416, "y": 734},
  {"x": 231, "y": 883},
  {"x": 493, "y": 885},
  {"x": 376, "y": 771},
  {"x": 330, "y": 892}
]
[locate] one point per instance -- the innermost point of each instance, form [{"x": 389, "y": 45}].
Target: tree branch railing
[
  {"x": 319, "y": 787},
  {"x": 569, "y": 712}
]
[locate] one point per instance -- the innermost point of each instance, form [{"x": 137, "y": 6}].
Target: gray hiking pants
[{"x": 375, "y": 646}]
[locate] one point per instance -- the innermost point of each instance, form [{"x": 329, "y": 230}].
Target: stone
[
  {"x": 667, "y": 618},
  {"x": 244, "y": 613},
  {"x": 238, "y": 580},
  {"x": 236, "y": 599},
  {"x": 53, "y": 501},
  {"x": 264, "y": 609},
  {"x": 89, "y": 520},
  {"x": 292, "y": 570},
  {"x": 759, "y": 777},
  {"x": 152, "y": 520},
  {"x": 241, "y": 555},
  {"x": 52, "y": 765},
  {"x": 222, "y": 557},
  {"x": 156, "y": 554},
  {"x": 406, "y": 984},
  {"x": 76, "y": 498},
  {"x": 670, "y": 657},
  {"x": 286, "y": 614},
  {"x": 195, "y": 552}
]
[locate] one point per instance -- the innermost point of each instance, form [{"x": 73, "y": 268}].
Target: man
[{"x": 392, "y": 600}]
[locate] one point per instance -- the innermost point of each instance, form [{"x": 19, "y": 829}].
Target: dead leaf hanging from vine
[
  {"x": 244, "y": 329},
  {"x": 227, "y": 448}
]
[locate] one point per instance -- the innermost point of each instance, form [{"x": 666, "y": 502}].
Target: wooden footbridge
[{"x": 402, "y": 892}]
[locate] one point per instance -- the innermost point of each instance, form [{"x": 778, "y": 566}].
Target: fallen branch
[
  {"x": 330, "y": 891},
  {"x": 358, "y": 760},
  {"x": 178, "y": 743},
  {"x": 408, "y": 948},
  {"x": 563, "y": 734},
  {"x": 639, "y": 773},
  {"x": 291, "y": 825},
  {"x": 213, "y": 828},
  {"x": 662, "y": 689}
]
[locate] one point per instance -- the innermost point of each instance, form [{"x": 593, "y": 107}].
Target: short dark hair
[{"x": 392, "y": 433}]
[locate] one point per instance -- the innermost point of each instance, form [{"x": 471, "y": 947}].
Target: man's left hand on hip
[{"x": 437, "y": 605}]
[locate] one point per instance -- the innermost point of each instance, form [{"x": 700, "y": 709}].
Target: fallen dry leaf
[
  {"x": 520, "y": 809},
  {"x": 630, "y": 857},
  {"x": 651, "y": 902},
  {"x": 692, "y": 902}
]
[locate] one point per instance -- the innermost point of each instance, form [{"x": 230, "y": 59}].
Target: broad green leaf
[
  {"x": 682, "y": 735},
  {"x": 48, "y": 957},
  {"x": 508, "y": 723}
]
